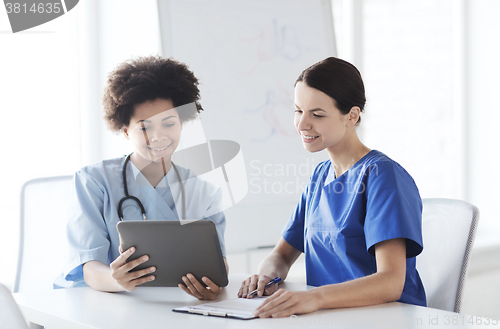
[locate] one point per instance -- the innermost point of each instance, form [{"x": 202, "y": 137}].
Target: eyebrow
[
  {"x": 149, "y": 121},
  {"x": 313, "y": 110}
]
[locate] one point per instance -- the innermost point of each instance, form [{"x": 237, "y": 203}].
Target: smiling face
[
  {"x": 318, "y": 121},
  {"x": 154, "y": 130}
]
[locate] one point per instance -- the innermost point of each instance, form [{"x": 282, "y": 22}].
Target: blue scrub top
[
  {"x": 91, "y": 229},
  {"x": 338, "y": 221}
]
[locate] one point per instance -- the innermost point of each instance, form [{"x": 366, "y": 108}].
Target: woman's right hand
[
  {"x": 122, "y": 273},
  {"x": 257, "y": 282}
]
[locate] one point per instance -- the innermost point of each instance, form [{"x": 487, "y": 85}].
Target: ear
[
  {"x": 353, "y": 116},
  {"x": 125, "y": 132}
]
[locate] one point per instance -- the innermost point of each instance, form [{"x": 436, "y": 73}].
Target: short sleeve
[
  {"x": 87, "y": 234},
  {"x": 393, "y": 208},
  {"x": 293, "y": 233}
]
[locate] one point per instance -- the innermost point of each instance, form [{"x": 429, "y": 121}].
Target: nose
[
  {"x": 156, "y": 135},
  {"x": 302, "y": 122}
]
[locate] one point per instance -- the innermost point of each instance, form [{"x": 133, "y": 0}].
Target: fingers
[
  {"x": 280, "y": 304},
  {"x": 186, "y": 290},
  {"x": 130, "y": 280},
  {"x": 244, "y": 288},
  {"x": 122, "y": 273},
  {"x": 254, "y": 280},
  {"x": 212, "y": 286},
  {"x": 194, "y": 287},
  {"x": 138, "y": 282},
  {"x": 136, "y": 262},
  {"x": 280, "y": 301},
  {"x": 248, "y": 286},
  {"x": 201, "y": 288},
  {"x": 120, "y": 260},
  {"x": 261, "y": 285},
  {"x": 271, "y": 290},
  {"x": 193, "y": 290},
  {"x": 285, "y": 313},
  {"x": 138, "y": 274},
  {"x": 272, "y": 301},
  {"x": 264, "y": 305}
]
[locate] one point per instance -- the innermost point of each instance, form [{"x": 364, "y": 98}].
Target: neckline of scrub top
[
  {"x": 143, "y": 181},
  {"x": 331, "y": 172},
  {"x": 156, "y": 195}
]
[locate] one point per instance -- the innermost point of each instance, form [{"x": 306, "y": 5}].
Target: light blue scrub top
[
  {"x": 91, "y": 230},
  {"x": 338, "y": 222}
]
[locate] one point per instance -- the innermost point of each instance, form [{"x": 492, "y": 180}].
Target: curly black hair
[{"x": 146, "y": 79}]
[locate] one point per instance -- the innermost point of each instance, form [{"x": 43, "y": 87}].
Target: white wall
[
  {"x": 484, "y": 108},
  {"x": 407, "y": 58},
  {"x": 111, "y": 32},
  {"x": 39, "y": 108},
  {"x": 482, "y": 292}
]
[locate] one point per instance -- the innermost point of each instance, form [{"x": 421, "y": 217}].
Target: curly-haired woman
[{"x": 148, "y": 99}]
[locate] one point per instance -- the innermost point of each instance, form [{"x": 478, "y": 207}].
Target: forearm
[
  {"x": 98, "y": 276},
  {"x": 384, "y": 286},
  {"x": 274, "y": 265},
  {"x": 280, "y": 260},
  {"x": 378, "y": 288}
]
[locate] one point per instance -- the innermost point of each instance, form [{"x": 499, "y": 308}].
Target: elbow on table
[
  {"x": 395, "y": 288},
  {"x": 395, "y": 295},
  {"x": 87, "y": 274},
  {"x": 93, "y": 273}
]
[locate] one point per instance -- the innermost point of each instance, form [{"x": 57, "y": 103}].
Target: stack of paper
[{"x": 239, "y": 308}]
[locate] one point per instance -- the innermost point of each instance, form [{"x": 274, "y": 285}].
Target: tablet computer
[{"x": 175, "y": 248}]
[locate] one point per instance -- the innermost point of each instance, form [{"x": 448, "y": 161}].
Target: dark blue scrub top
[{"x": 337, "y": 222}]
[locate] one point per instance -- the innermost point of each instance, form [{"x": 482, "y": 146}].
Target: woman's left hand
[
  {"x": 284, "y": 303},
  {"x": 194, "y": 288}
]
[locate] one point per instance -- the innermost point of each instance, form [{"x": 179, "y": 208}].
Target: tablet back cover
[{"x": 175, "y": 249}]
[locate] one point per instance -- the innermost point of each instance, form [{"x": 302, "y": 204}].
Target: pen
[{"x": 276, "y": 280}]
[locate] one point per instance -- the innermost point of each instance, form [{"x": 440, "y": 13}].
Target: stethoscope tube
[
  {"x": 182, "y": 192},
  {"x": 131, "y": 197}
]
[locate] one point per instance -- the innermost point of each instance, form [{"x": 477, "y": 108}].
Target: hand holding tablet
[
  {"x": 124, "y": 274},
  {"x": 182, "y": 253}
]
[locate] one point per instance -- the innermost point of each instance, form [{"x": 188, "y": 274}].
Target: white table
[{"x": 152, "y": 308}]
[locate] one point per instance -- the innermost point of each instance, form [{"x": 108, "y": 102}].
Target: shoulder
[
  {"x": 103, "y": 166},
  {"x": 321, "y": 170},
  {"x": 378, "y": 163},
  {"x": 383, "y": 172},
  {"x": 102, "y": 171}
]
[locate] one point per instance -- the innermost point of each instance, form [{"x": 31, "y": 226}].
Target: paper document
[{"x": 240, "y": 308}]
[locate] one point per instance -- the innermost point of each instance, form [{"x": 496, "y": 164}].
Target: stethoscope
[{"x": 131, "y": 197}]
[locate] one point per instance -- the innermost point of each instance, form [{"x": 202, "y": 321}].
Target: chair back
[
  {"x": 42, "y": 248},
  {"x": 448, "y": 228},
  {"x": 10, "y": 315}
]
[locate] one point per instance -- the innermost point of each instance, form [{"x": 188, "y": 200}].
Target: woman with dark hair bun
[
  {"x": 147, "y": 99},
  {"x": 359, "y": 220}
]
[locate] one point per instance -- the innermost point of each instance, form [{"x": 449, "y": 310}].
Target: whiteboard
[{"x": 247, "y": 56}]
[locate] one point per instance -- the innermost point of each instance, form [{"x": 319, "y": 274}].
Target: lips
[
  {"x": 158, "y": 149},
  {"x": 309, "y": 139}
]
